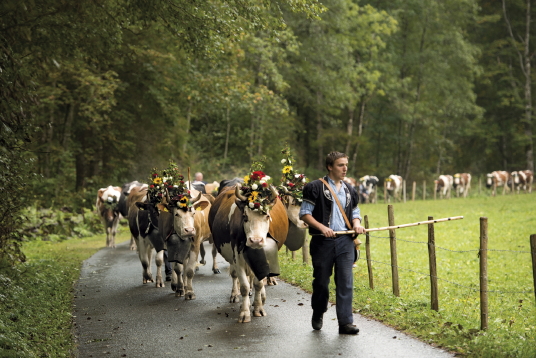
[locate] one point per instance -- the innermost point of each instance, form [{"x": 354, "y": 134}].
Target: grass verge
[
  {"x": 36, "y": 297},
  {"x": 456, "y": 326}
]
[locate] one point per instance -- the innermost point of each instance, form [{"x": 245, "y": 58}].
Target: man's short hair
[{"x": 332, "y": 157}]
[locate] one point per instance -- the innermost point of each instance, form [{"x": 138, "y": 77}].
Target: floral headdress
[
  {"x": 256, "y": 189},
  {"x": 292, "y": 183},
  {"x": 111, "y": 202},
  {"x": 169, "y": 183}
]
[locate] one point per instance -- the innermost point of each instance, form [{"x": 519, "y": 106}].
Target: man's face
[{"x": 339, "y": 168}]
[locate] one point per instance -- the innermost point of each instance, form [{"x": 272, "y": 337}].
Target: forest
[{"x": 97, "y": 92}]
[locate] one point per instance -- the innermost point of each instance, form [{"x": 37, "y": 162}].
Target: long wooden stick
[{"x": 348, "y": 232}]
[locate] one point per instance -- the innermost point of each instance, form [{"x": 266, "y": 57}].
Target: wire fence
[{"x": 482, "y": 254}]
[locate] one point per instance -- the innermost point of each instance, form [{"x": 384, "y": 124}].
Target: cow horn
[
  {"x": 284, "y": 188},
  {"x": 274, "y": 191},
  {"x": 237, "y": 193},
  {"x": 197, "y": 199}
]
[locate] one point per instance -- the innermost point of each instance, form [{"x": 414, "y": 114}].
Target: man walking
[{"x": 324, "y": 215}]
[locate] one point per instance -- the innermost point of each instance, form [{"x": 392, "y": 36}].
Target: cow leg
[
  {"x": 189, "y": 272},
  {"x": 177, "y": 280},
  {"x": 202, "y": 254},
  {"x": 145, "y": 255},
  {"x": 259, "y": 299},
  {"x": 133, "y": 245},
  {"x": 215, "y": 267},
  {"x": 159, "y": 260},
  {"x": 245, "y": 314},
  {"x": 235, "y": 292}
]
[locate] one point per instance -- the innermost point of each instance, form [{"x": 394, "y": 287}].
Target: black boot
[{"x": 348, "y": 329}]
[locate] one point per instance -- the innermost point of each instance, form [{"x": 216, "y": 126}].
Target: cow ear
[
  {"x": 141, "y": 206},
  {"x": 201, "y": 205}
]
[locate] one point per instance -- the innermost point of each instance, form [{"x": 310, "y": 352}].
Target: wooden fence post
[
  {"x": 305, "y": 249},
  {"x": 384, "y": 194},
  {"x": 404, "y": 189},
  {"x": 424, "y": 190},
  {"x": 293, "y": 255},
  {"x": 367, "y": 251},
  {"x": 435, "y": 190},
  {"x": 433, "y": 266},
  {"x": 394, "y": 259},
  {"x": 413, "y": 191},
  {"x": 479, "y": 184},
  {"x": 533, "y": 253},
  {"x": 483, "y": 273}
]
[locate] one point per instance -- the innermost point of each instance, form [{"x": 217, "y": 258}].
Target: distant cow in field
[
  {"x": 393, "y": 185},
  {"x": 107, "y": 208},
  {"x": 462, "y": 184},
  {"x": 370, "y": 183},
  {"x": 496, "y": 179},
  {"x": 444, "y": 185},
  {"x": 523, "y": 180}
]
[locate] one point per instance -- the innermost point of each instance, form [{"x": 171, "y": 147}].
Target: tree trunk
[
  {"x": 319, "y": 129},
  {"x": 227, "y": 135},
  {"x": 188, "y": 121}
]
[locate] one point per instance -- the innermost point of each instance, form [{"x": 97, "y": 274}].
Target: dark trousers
[{"x": 327, "y": 253}]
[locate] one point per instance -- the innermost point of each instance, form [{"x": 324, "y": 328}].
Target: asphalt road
[{"x": 118, "y": 316}]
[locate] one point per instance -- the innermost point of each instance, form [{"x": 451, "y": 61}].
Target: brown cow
[
  {"x": 249, "y": 240},
  {"x": 444, "y": 185},
  {"x": 190, "y": 223},
  {"x": 107, "y": 208},
  {"x": 496, "y": 179},
  {"x": 523, "y": 179}
]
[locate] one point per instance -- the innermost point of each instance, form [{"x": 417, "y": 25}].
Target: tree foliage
[{"x": 95, "y": 93}]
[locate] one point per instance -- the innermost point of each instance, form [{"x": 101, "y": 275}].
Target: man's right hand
[{"x": 327, "y": 232}]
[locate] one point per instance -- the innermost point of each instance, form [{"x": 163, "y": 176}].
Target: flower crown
[
  {"x": 111, "y": 202},
  {"x": 256, "y": 188},
  {"x": 292, "y": 183},
  {"x": 169, "y": 183}
]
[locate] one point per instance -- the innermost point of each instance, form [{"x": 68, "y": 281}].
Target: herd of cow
[
  {"x": 445, "y": 184},
  {"x": 246, "y": 237}
]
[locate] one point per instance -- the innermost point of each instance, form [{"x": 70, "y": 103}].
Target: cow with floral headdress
[
  {"x": 291, "y": 192},
  {"x": 249, "y": 225}
]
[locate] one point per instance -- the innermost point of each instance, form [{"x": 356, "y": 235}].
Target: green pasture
[
  {"x": 512, "y": 313},
  {"x": 36, "y": 297}
]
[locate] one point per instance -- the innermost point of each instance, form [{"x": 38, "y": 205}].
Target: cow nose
[
  {"x": 256, "y": 241},
  {"x": 189, "y": 230}
]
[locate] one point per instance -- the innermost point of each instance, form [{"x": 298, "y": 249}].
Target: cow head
[
  {"x": 151, "y": 209},
  {"x": 389, "y": 184},
  {"x": 489, "y": 180},
  {"x": 184, "y": 211},
  {"x": 292, "y": 207},
  {"x": 515, "y": 177},
  {"x": 256, "y": 221}
]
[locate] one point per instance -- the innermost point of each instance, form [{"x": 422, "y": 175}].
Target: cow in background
[
  {"x": 393, "y": 185},
  {"x": 444, "y": 185},
  {"x": 496, "y": 179},
  {"x": 107, "y": 209},
  {"x": 143, "y": 222},
  {"x": 462, "y": 184},
  {"x": 123, "y": 205},
  {"x": 249, "y": 241},
  {"x": 370, "y": 183},
  {"x": 212, "y": 188},
  {"x": 523, "y": 179}
]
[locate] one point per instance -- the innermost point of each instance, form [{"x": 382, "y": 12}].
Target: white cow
[
  {"x": 444, "y": 185},
  {"x": 107, "y": 208},
  {"x": 462, "y": 183},
  {"x": 393, "y": 185}
]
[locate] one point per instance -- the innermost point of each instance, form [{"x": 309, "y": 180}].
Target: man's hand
[
  {"x": 326, "y": 231},
  {"x": 358, "y": 228}
]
